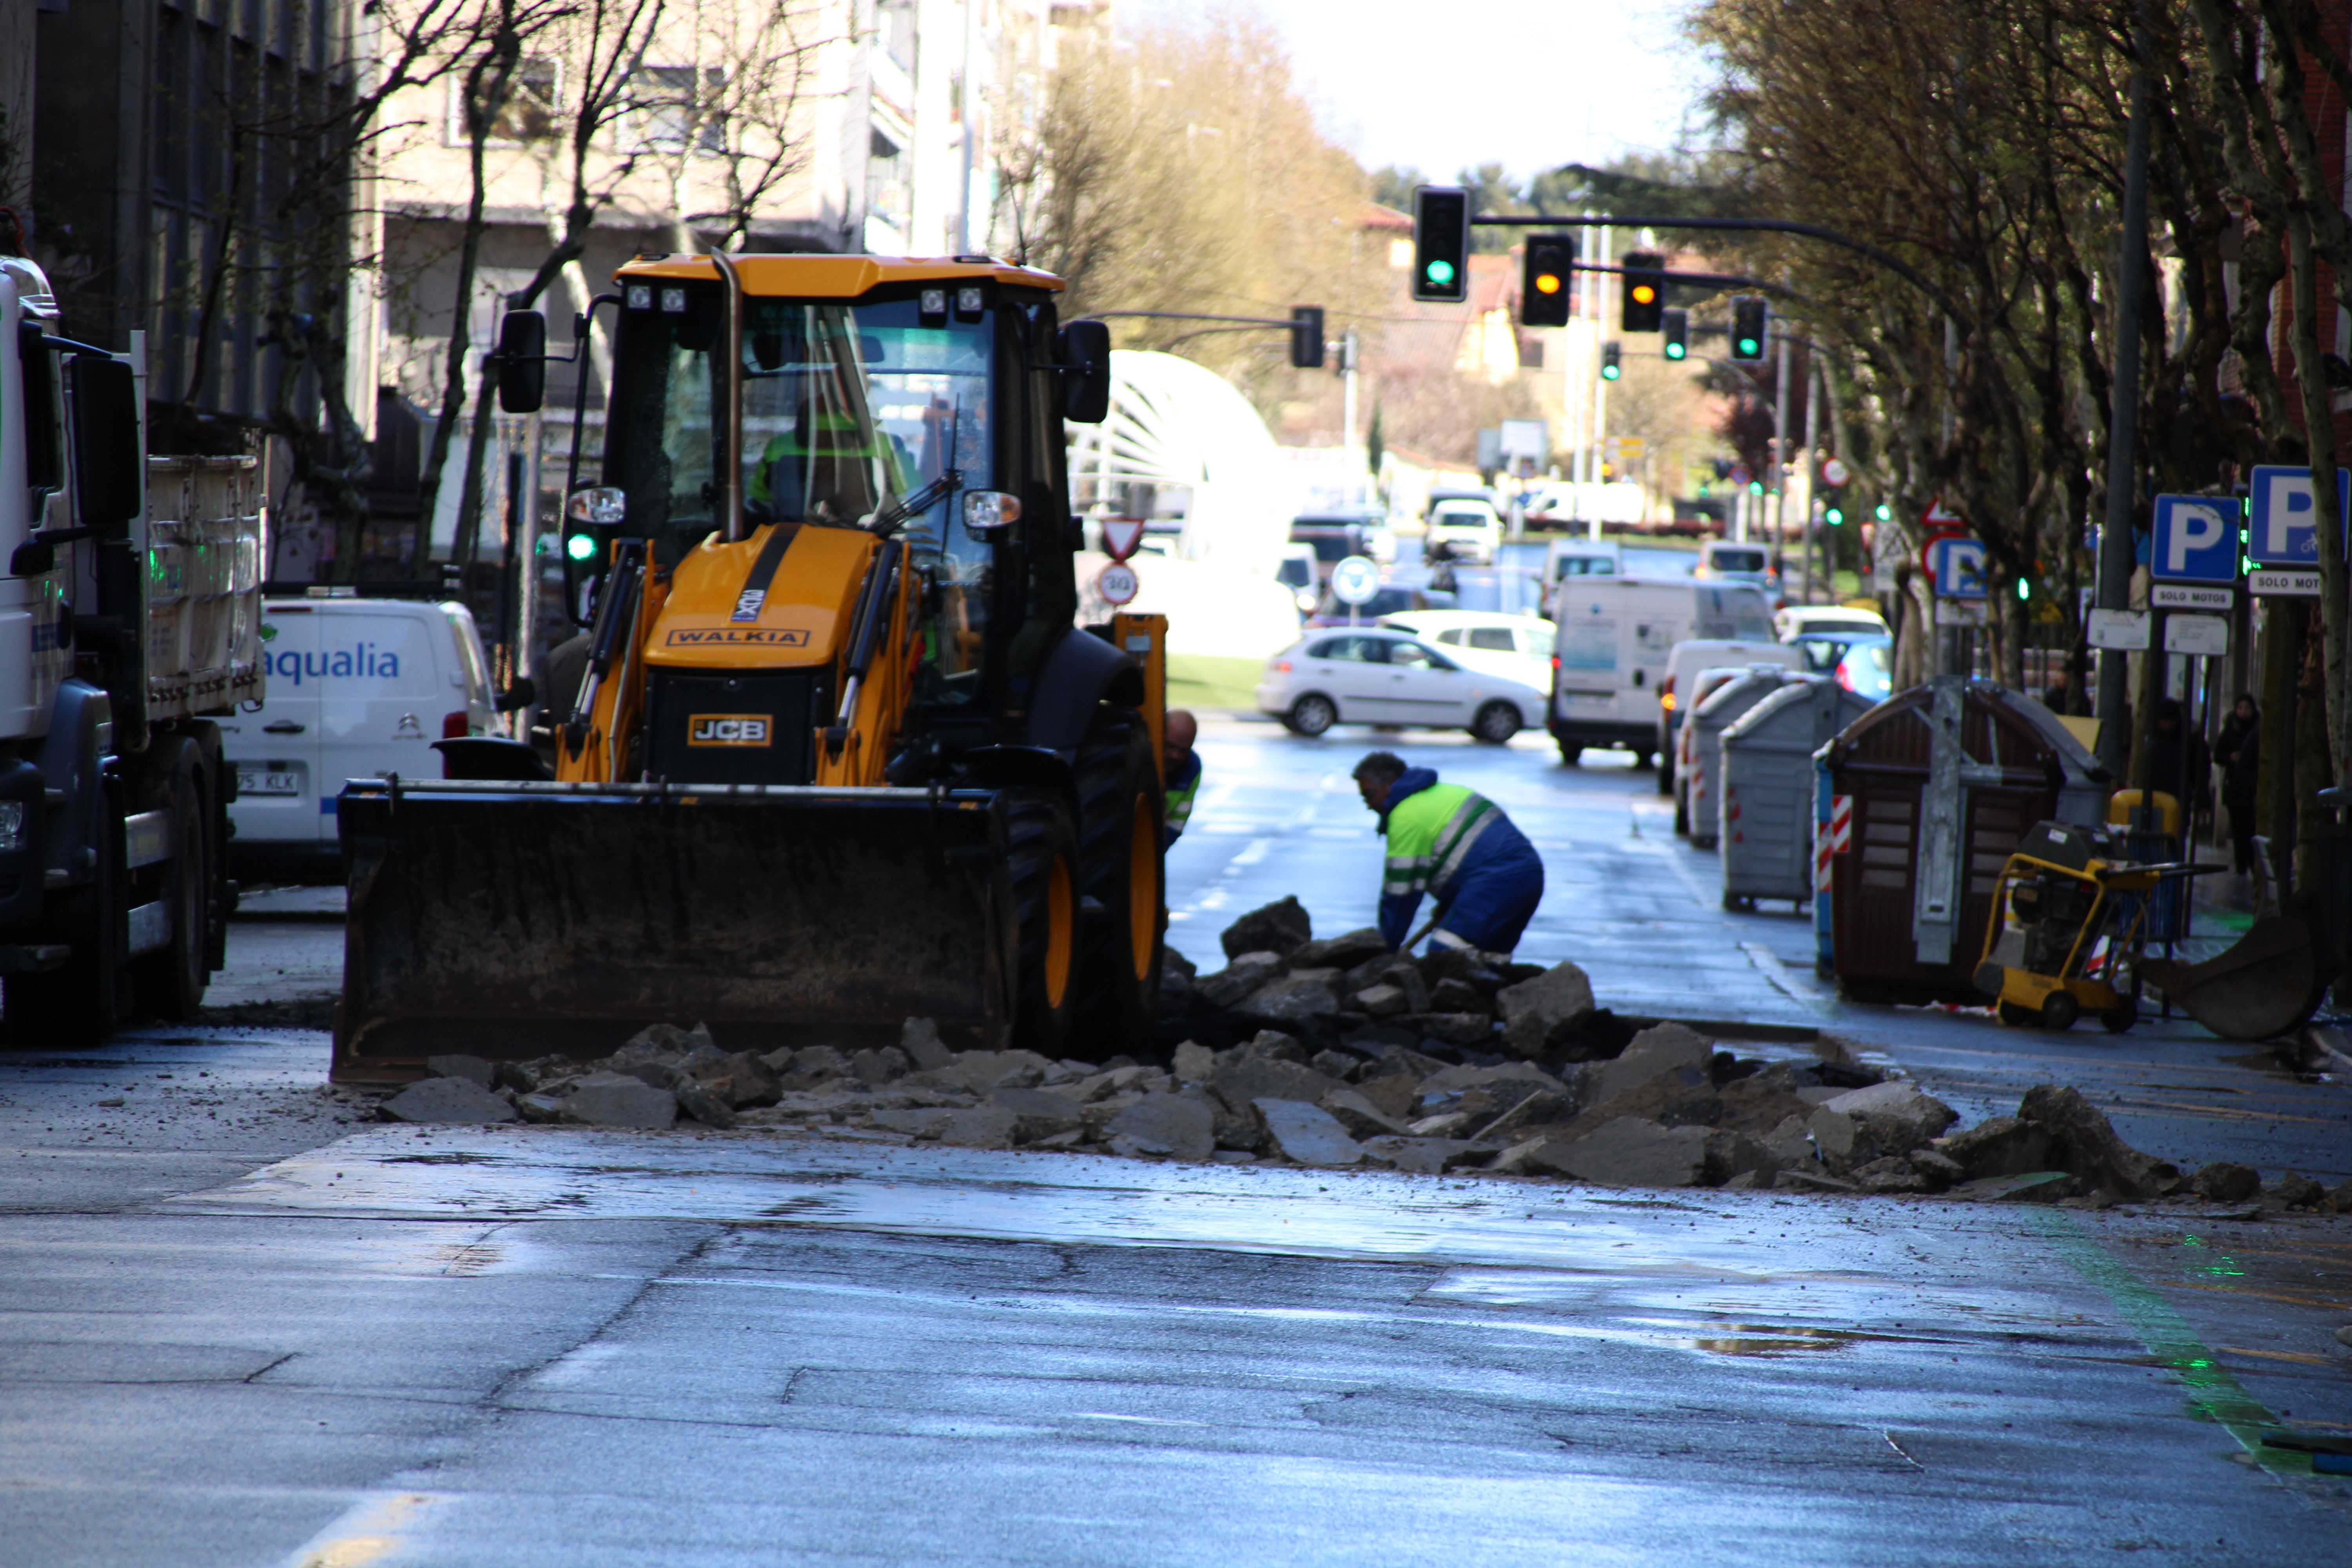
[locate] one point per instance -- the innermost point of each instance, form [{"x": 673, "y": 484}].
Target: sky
[{"x": 1531, "y": 84}]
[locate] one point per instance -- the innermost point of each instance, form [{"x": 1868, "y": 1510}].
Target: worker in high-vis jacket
[
  {"x": 1455, "y": 846},
  {"x": 1181, "y": 766}
]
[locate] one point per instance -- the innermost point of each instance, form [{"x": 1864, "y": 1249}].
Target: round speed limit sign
[{"x": 1117, "y": 582}]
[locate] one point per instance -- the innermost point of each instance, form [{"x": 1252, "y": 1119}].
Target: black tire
[
  {"x": 1643, "y": 758},
  {"x": 1682, "y": 813},
  {"x": 172, "y": 979},
  {"x": 1570, "y": 753},
  {"x": 1041, "y": 878},
  {"x": 1121, "y": 807},
  {"x": 2059, "y": 1010},
  {"x": 79, "y": 1003},
  {"x": 1667, "y": 771},
  {"x": 2017, "y": 1018},
  {"x": 1496, "y": 723},
  {"x": 2118, "y": 1019},
  {"x": 1311, "y": 715}
]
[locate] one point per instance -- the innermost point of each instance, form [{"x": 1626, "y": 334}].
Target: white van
[
  {"x": 1682, "y": 668},
  {"x": 357, "y": 689},
  {"x": 1612, "y": 639},
  {"x": 1578, "y": 558}
]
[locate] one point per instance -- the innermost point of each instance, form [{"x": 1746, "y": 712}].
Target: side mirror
[
  {"x": 989, "y": 515},
  {"x": 1084, "y": 352},
  {"x": 520, "y": 695},
  {"x": 109, "y": 472},
  {"x": 522, "y": 362}
]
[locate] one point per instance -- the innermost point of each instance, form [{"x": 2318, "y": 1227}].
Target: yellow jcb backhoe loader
[{"x": 840, "y": 754}]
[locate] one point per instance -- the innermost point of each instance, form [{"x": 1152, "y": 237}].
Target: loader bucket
[
  {"x": 2264, "y": 984},
  {"x": 511, "y": 920}
]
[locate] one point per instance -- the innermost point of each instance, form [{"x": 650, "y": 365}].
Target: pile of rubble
[{"x": 1356, "y": 1057}]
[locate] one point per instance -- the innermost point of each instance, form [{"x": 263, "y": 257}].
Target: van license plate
[{"x": 252, "y": 782}]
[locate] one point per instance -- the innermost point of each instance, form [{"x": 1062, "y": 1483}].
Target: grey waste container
[
  {"x": 1724, "y": 707},
  {"x": 1765, "y": 813}
]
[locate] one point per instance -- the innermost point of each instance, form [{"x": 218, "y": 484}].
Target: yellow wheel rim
[
  {"x": 1142, "y": 890},
  {"x": 1061, "y": 913}
]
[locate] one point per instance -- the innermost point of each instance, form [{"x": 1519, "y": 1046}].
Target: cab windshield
[{"x": 849, "y": 410}]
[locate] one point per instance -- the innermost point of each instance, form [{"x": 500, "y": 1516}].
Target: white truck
[{"x": 129, "y": 618}]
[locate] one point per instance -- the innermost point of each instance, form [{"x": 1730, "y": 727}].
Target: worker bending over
[
  {"x": 1181, "y": 766},
  {"x": 1455, "y": 846}
]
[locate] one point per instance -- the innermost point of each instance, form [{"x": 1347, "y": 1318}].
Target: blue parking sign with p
[
  {"x": 2196, "y": 538},
  {"x": 2284, "y": 520}
]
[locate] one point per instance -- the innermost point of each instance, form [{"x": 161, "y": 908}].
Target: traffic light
[
  {"x": 1441, "y": 244},
  {"x": 1833, "y": 514},
  {"x": 1306, "y": 337},
  {"x": 1544, "y": 287},
  {"x": 1751, "y": 327},
  {"x": 1609, "y": 367},
  {"x": 1885, "y": 512},
  {"x": 1676, "y": 327},
  {"x": 1645, "y": 290}
]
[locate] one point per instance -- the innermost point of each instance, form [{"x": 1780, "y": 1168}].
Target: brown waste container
[{"x": 1935, "y": 786}]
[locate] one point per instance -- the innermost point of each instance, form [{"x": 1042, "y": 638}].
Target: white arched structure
[{"x": 1174, "y": 424}]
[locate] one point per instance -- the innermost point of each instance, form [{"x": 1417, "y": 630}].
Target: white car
[
  {"x": 1519, "y": 647},
  {"x": 1470, "y": 530},
  {"x": 357, "y": 689},
  {"x": 1797, "y": 620},
  {"x": 1372, "y": 675}
]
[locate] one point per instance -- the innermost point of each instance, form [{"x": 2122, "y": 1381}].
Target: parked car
[
  {"x": 1396, "y": 597},
  {"x": 1516, "y": 645},
  {"x": 1465, "y": 531},
  {"x": 1297, "y": 571},
  {"x": 1335, "y": 536},
  {"x": 1796, "y": 620},
  {"x": 357, "y": 689},
  {"x": 1375, "y": 676},
  {"x": 1864, "y": 663},
  {"x": 1615, "y": 635}
]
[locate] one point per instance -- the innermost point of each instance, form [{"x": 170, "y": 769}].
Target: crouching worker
[{"x": 1458, "y": 848}]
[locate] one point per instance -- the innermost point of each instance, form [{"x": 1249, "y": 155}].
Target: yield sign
[
  {"x": 1121, "y": 535},
  {"x": 1941, "y": 515}
]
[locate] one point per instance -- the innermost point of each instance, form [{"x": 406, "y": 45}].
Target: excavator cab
[{"x": 839, "y": 753}]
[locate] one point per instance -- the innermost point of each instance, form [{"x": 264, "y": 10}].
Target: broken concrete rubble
[
  {"x": 1280, "y": 929},
  {"x": 448, "y": 1099}
]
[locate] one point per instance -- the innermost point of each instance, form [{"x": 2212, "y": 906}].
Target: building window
[
  {"x": 885, "y": 182},
  {"x": 528, "y": 113},
  {"x": 893, "y": 29},
  {"x": 674, "y": 106}
]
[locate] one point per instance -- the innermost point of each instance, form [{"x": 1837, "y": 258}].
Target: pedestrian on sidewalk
[
  {"x": 1181, "y": 766},
  {"x": 1455, "y": 846},
  {"x": 2178, "y": 764},
  {"x": 2239, "y": 749}
]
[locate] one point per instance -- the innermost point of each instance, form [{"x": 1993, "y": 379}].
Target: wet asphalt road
[{"x": 240, "y": 1326}]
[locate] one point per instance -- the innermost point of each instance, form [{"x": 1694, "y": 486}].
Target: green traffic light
[
  {"x": 580, "y": 546},
  {"x": 1609, "y": 373},
  {"x": 1439, "y": 272},
  {"x": 2024, "y": 589},
  {"x": 1885, "y": 512},
  {"x": 1751, "y": 349},
  {"x": 1675, "y": 351},
  {"x": 1756, "y": 486},
  {"x": 1833, "y": 516}
]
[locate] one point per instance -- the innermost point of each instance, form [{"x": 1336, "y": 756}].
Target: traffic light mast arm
[
  {"x": 1702, "y": 280},
  {"x": 1862, "y": 248},
  {"x": 1284, "y": 323}
]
